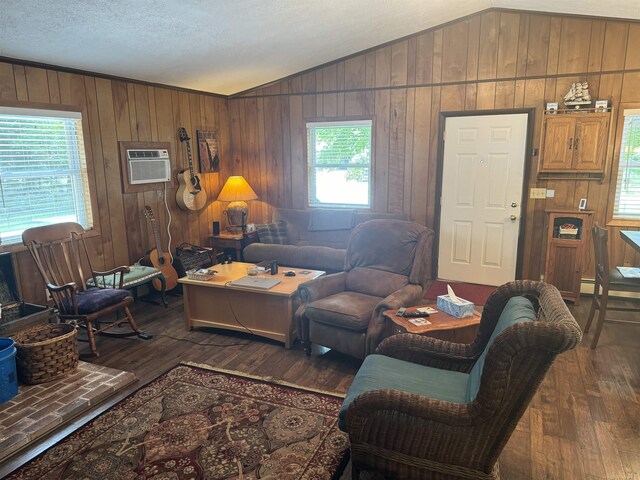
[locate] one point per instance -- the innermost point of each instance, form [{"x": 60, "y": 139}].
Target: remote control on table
[
  {"x": 401, "y": 312},
  {"x": 415, "y": 315}
]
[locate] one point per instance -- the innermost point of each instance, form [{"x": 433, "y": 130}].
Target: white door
[{"x": 481, "y": 191}]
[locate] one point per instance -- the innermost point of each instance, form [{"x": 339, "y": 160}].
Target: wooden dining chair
[
  {"x": 607, "y": 280},
  {"x": 61, "y": 255}
]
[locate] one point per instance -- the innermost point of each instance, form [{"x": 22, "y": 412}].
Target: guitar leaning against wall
[
  {"x": 159, "y": 259},
  {"x": 190, "y": 195}
]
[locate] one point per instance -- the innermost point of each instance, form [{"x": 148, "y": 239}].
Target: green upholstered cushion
[
  {"x": 274, "y": 233},
  {"x": 385, "y": 373},
  {"x": 138, "y": 274},
  {"x": 381, "y": 373},
  {"x": 517, "y": 310}
]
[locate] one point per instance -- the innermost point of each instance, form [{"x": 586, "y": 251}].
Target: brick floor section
[{"x": 38, "y": 409}]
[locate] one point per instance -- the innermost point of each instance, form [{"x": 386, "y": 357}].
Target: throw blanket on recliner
[{"x": 330, "y": 219}]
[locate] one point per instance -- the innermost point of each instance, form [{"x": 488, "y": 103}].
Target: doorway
[{"x": 481, "y": 196}]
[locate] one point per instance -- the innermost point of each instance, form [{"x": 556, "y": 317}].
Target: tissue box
[{"x": 458, "y": 310}]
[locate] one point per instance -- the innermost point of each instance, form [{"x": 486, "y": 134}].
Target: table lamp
[{"x": 237, "y": 191}]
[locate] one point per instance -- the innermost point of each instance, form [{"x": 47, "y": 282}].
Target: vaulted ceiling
[{"x": 229, "y": 46}]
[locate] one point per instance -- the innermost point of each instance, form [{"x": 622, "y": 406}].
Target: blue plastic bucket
[{"x": 8, "y": 375}]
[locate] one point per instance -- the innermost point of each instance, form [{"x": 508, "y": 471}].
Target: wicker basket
[{"x": 46, "y": 352}]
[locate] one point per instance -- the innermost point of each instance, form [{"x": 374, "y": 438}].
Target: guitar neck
[
  {"x": 194, "y": 187},
  {"x": 156, "y": 235},
  {"x": 191, "y": 172}
]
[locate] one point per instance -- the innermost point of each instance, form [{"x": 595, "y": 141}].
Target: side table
[
  {"x": 442, "y": 326},
  {"x": 231, "y": 241}
]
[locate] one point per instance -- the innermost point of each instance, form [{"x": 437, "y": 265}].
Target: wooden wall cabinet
[
  {"x": 564, "y": 262},
  {"x": 574, "y": 142}
]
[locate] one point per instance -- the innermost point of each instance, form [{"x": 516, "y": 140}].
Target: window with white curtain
[
  {"x": 627, "y": 198},
  {"x": 43, "y": 171},
  {"x": 339, "y": 163}
]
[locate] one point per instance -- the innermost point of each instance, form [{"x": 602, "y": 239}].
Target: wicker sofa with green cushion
[
  {"x": 315, "y": 238},
  {"x": 429, "y": 409}
]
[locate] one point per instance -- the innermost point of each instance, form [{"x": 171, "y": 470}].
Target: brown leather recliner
[{"x": 387, "y": 266}]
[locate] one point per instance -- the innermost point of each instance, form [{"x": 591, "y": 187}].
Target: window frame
[
  {"x": 94, "y": 230},
  {"x": 359, "y": 118},
  {"x": 617, "y": 142}
]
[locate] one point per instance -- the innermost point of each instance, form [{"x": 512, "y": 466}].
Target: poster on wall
[{"x": 208, "y": 151}]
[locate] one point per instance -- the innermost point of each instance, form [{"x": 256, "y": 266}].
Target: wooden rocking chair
[{"x": 61, "y": 255}]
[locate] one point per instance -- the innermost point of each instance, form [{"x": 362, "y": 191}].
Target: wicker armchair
[{"x": 423, "y": 408}]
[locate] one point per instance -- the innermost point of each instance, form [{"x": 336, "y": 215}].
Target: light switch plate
[
  {"x": 551, "y": 193},
  {"x": 538, "y": 193}
]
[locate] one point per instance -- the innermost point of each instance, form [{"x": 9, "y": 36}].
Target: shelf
[
  {"x": 566, "y": 241},
  {"x": 570, "y": 211},
  {"x": 570, "y": 111}
]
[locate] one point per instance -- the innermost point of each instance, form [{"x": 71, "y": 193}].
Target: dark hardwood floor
[{"x": 583, "y": 424}]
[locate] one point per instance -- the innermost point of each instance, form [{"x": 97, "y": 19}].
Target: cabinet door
[
  {"x": 557, "y": 147},
  {"x": 564, "y": 268},
  {"x": 590, "y": 144}
]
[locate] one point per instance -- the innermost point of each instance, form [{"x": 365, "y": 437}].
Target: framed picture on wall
[{"x": 208, "y": 151}]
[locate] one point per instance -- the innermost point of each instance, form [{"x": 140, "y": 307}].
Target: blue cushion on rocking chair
[{"x": 94, "y": 299}]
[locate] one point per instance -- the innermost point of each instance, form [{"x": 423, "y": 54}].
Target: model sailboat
[{"x": 578, "y": 95}]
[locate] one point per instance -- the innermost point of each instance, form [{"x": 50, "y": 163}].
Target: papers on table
[
  {"x": 419, "y": 322},
  {"x": 629, "y": 272}
]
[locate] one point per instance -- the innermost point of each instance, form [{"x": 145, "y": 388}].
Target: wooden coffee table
[
  {"x": 268, "y": 313},
  {"x": 443, "y": 325}
]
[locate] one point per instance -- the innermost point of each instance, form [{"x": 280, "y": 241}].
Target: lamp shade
[{"x": 236, "y": 189}]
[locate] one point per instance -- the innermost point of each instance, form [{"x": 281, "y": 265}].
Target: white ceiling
[{"x": 224, "y": 46}]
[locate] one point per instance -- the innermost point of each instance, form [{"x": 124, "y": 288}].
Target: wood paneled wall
[
  {"x": 125, "y": 111},
  {"x": 493, "y": 60}
]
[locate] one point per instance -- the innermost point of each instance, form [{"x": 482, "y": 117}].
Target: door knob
[
  {"x": 514, "y": 204},
  {"x": 513, "y": 218}
]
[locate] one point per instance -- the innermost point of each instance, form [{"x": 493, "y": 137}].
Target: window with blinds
[
  {"x": 339, "y": 163},
  {"x": 43, "y": 171},
  {"x": 627, "y": 199}
]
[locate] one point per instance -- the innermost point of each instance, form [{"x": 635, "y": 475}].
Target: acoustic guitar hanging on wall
[{"x": 190, "y": 194}]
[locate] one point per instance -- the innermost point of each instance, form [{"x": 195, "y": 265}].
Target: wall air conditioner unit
[{"x": 148, "y": 166}]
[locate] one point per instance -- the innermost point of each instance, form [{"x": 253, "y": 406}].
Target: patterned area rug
[{"x": 195, "y": 422}]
